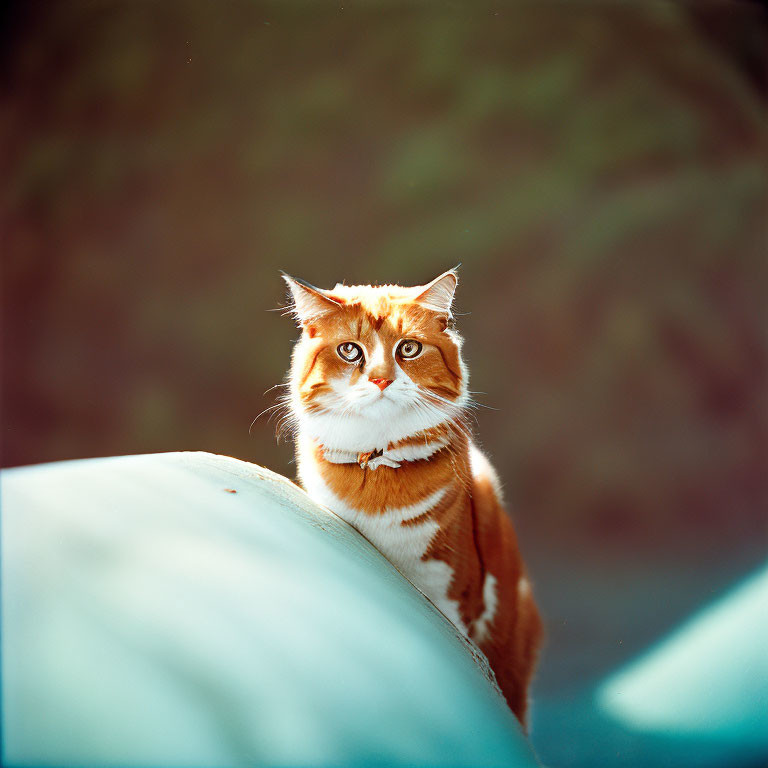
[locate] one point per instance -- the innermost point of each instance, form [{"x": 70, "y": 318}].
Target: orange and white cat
[{"x": 378, "y": 393}]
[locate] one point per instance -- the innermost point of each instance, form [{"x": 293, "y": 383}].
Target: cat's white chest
[{"x": 403, "y": 545}]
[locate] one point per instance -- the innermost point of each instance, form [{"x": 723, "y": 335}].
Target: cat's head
[{"x": 375, "y": 364}]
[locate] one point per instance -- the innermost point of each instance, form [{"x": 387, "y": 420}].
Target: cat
[{"x": 378, "y": 396}]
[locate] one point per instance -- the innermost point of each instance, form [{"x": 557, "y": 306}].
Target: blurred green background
[{"x": 598, "y": 169}]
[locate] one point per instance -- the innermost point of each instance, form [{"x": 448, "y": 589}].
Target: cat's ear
[
  {"x": 309, "y": 303},
  {"x": 438, "y": 295}
]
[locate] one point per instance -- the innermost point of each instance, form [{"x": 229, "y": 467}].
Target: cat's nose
[{"x": 382, "y": 384}]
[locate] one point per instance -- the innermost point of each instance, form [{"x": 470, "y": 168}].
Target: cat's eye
[
  {"x": 349, "y": 352},
  {"x": 409, "y": 349}
]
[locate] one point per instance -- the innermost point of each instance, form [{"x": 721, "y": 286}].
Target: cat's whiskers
[
  {"x": 281, "y": 384},
  {"x": 461, "y": 413},
  {"x": 453, "y": 422},
  {"x": 272, "y": 409},
  {"x": 286, "y": 420}
]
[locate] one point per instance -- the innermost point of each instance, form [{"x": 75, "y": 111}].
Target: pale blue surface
[
  {"x": 696, "y": 699},
  {"x": 709, "y": 679},
  {"x": 152, "y": 618}
]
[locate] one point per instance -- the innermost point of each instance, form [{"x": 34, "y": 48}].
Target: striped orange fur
[{"x": 378, "y": 393}]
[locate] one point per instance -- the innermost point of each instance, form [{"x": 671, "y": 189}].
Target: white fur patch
[
  {"x": 481, "y": 626},
  {"x": 482, "y": 469},
  {"x": 376, "y": 358},
  {"x": 378, "y": 422},
  {"x": 403, "y": 545},
  {"x": 416, "y": 451}
]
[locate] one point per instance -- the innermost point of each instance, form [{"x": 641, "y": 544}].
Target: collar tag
[{"x": 364, "y": 458}]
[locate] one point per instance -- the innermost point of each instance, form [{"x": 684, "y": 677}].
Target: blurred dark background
[{"x": 599, "y": 169}]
